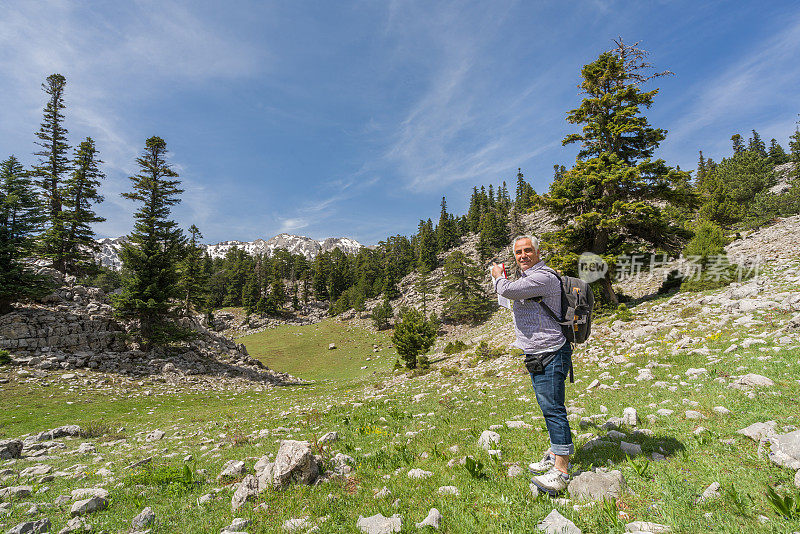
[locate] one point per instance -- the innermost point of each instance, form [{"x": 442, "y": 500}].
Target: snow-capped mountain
[{"x": 108, "y": 256}]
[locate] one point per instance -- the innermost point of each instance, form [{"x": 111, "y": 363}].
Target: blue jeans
[{"x": 549, "y": 388}]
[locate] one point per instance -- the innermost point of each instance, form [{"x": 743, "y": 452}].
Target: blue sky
[{"x": 355, "y": 118}]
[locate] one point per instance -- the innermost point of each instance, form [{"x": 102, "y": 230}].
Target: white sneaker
[
  {"x": 553, "y": 482},
  {"x": 547, "y": 463},
  {"x": 538, "y": 468}
]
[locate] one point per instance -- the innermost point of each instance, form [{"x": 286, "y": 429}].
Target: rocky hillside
[
  {"x": 74, "y": 328},
  {"x": 108, "y": 255}
]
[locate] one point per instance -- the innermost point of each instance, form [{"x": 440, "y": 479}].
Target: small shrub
[
  {"x": 475, "y": 468},
  {"x": 640, "y": 467},
  {"x": 483, "y": 352},
  {"x": 423, "y": 362},
  {"x": 622, "y": 314},
  {"x": 450, "y": 370},
  {"x": 5, "y": 357},
  {"x": 609, "y": 512},
  {"x": 100, "y": 430},
  {"x": 489, "y": 373},
  {"x": 689, "y": 311},
  {"x": 454, "y": 347},
  {"x": 672, "y": 282}
]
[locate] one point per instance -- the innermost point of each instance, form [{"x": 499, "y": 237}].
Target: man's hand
[{"x": 497, "y": 270}]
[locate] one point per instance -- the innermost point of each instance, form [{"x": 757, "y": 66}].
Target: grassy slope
[{"x": 373, "y": 415}]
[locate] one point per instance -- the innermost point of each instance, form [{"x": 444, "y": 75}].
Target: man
[{"x": 548, "y": 356}]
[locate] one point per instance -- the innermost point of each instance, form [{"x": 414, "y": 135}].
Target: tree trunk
[{"x": 608, "y": 291}]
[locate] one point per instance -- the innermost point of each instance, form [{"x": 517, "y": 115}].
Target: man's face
[{"x": 525, "y": 254}]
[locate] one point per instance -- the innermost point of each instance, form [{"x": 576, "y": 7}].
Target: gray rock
[
  {"x": 630, "y": 417},
  {"x": 237, "y": 525},
  {"x": 759, "y": 431},
  {"x": 488, "y": 439},
  {"x": 144, "y": 519},
  {"x": 294, "y": 462},
  {"x": 378, "y": 524},
  {"x": 331, "y": 346},
  {"x": 60, "y": 432},
  {"x": 721, "y": 410},
  {"x": 556, "y": 523},
  {"x": 631, "y": 449},
  {"x": 232, "y": 469},
  {"x": 644, "y": 526},
  {"x": 693, "y": 414},
  {"x": 597, "y": 485},
  {"x": 711, "y": 492},
  {"x": 296, "y": 523},
  {"x": 88, "y": 506},
  {"x": 434, "y": 519},
  {"x": 786, "y": 449},
  {"x": 13, "y": 493},
  {"x": 330, "y": 437},
  {"x": 448, "y": 490},
  {"x": 797, "y": 479},
  {"x": 76, "y": 524},
  {"x": 247, "y": 488},
  {"x": 383, "y": 493},
  {"x": 514, "y": 470},
  {"x": 85, "y": 493},
  {"x": 155, "y": 435},
  {"x": 753, "y": 380},
  {"x": 32, "y": 527},
  {"x": 265, "y": 476},
  {"x": 419, "y": 473},
  {"x": 10, "y": 448}
]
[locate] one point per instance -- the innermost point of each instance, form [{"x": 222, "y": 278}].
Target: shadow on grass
[{"x": 605, "y": 451}]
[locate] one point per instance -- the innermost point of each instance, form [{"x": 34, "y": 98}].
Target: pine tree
[
  {"x": 738, "y": 144},
  {"x": 464, "y": 297},
  {"x": 426, "y": 246},
  {"x": 381, "y": 315},
  {"x": 79, "y": 194},
  {"x": 777, "y": 155},
  {"x": 446, "y": 231},
  {"x": 755, "y": 144},
  {"x": 153, "y": 250},
  {"x": 614, "y": 195},
  {"x": 19, "y": 222},
  {"x": 251, "y": 292},
  {"x": 193, "y": 278},
  {"x": 424, "y": 287},
  {"x": 729, "y": 190},
  {"x": 475, "y": 211},
  {"x": 413, "y": 335},
  {"x": 53, "y": 165},
  {"x": 701, "y": 169},
  {"x": 522, "y": 198}
]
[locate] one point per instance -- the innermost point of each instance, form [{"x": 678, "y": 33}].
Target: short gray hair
[{"x": 534, "y": 241}]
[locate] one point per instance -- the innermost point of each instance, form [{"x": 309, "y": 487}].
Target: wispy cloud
[{"x": 759, "y": 83}]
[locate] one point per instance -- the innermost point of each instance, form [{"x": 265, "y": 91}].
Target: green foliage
[
  {"x": 449, "y": 370},
  {"x": 79, "y": 194},
  {"x": 52, "y": 166},
  {"x": 709, "y": 240},
  {"x": 425, "y": 242},
  {"x": 672, "y": 282},
  {"x": 193, "y": 278},
  {"x": 5, "y": 357},
  {"x": 609, "y": 512},
  {"x": 106, "y": 279},
  {"x": 462, "y": 290},
  {"x": 475, "y": 468},
  {"x": 742, "y": 507},
  {"x": 413, "y": 334},
  {"x": 784, "y": 505},
  {"x": 381, "y": 315},
  {"x": 19, "y": 223},
  {"x": 153, "y": 250},
  {"x": 612, "y": 196},
  {"x": 640, "y": 467},
  {"x": 172, "y": 478},
  {"x": 729, "y": 190},
  {"x": 622, "y": 314},
  {"x": 446, "y": 230},
  {"x": 454, "y": 347},
  {"x": 483, "y": 352}
]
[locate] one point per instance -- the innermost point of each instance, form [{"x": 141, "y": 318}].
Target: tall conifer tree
[
  {"x": 53, "y": 165},
  {"x": 153, "y": 250},
  {"x": 80, "y": 193}
]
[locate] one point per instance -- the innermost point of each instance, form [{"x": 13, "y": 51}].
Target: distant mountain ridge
[{"x": 108, "y": 255}]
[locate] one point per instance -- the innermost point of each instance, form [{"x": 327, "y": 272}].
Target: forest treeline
[{"x": 616, "y": 199}]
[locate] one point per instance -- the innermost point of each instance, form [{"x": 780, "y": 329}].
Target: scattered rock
[
  {"x": 144, "y": 519},
  {"x": 155, "y": 435},
  {"x": 449, "y": 490},
  {"x": 88, "y": 506},
  {"x": 693, "y": 414},
  {"x": 378, "y": 524},
  {"x": 759, "y": 431},
  {"x": 797, "y": 479},
  {"x": 85, "y": 493},
  {"x": 10, "y": 448},
  {"x": 419, "y": 473},
  {"x": 433, "y": 519},
  {"x": 644, "y": 526},
  {"x": 786, "y": 449},
  {"x": 597, "y": 485},
  {"x": 294, "y": 462},
  {"x": 631, "y": 449},
  {"x": 710, "y": 493},
  {"x": 752, "y": 380},
  {"x": 720, "y": 410},
  {"x": 556, "y": 523},
  {"x": 630, "y": 417},
  {"x": 296, "y": 523},
  {"x": 515, "y": 470},
  {"x": 32, "y": 527},
  {"x": 247, "y": 488},
  {"x": 488, "y": 439},
  {"x": 383, "y": 493},
  {"x": 12, "y": 493},
  {"x": 237, "y": 525},
  {"x": 231, "y": 470},
  {"x": 330, "y": 437},
  {"x": 76, "y": 524},
  {"x": 331, "y": 346},
  {"x": 60, "y": 432}
]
